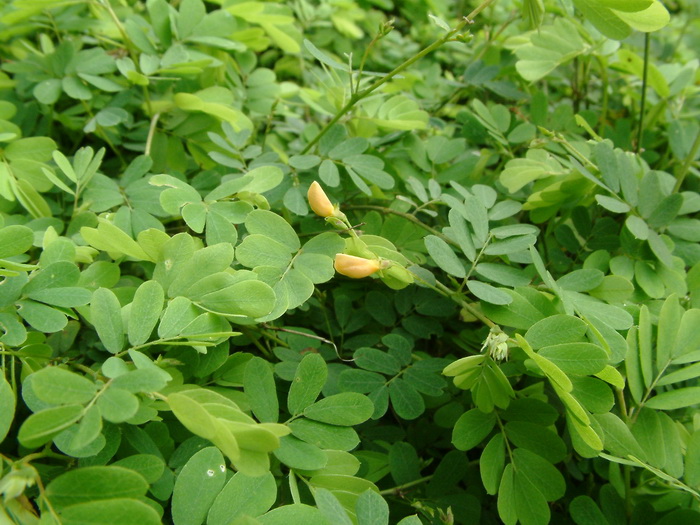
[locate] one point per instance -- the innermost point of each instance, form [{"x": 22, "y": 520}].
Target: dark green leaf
[
  {"x": 360, "y": 381},
  {"x": 405, "y": 399},
  {"x": 492, "y": 462},
  {"x": 471, "y": 429},
  {"x": 346, "y": 409},
  {"x": 324, "y": 436},
  {"x": 537, "y": 439},
  {"x": 309, "y": 379},
  {"x": 376, "y": 361},
  {"x": 540, "y": 473},
  {"x": 585, "y": 511},
  {"x": 259, "y": 385}
]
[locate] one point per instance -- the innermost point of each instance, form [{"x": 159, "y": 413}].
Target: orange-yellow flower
[
  {"x": 319, "y": 201},
  {"x": 355, "y": 267}
]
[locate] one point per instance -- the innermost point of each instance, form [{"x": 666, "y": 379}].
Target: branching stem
[{"x": 359, "y": 95}]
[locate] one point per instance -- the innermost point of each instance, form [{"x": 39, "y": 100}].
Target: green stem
[
  {"x": 407, "y": 216},
  {"x": 505, "y": 438},
  {"x": 450, "y": 294},
  {"x": 151, "y": 133},
  {"x": 264, "y": 351},
  {"x": 687, "y": 163},
  {"x": 645, "y": 72},
  {"x": 399, "y": 488},
  {"x": 382, "y": 32},
  {"x": 478, "y": 257},
  {"x": 652, "y": 386},
  {"x": 620, "y": 393},
  {"x": 357, "y": 96}
]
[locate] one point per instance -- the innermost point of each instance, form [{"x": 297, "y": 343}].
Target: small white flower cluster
[{"x": 496, "y": 344}]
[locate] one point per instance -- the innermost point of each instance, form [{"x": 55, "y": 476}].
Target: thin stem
[
  {"x": 384, "y": 30},
  {"x": 478, "y": 257},
  {"x": 620, "y": 393},
  {"x": 450, "y": 294},
  {"x": 256, "y": 342},
  {"x": 357, "y": 96},
  {"x": 645, "y": 72},
  {"x": 687, "y": 163},
  {"x": 407, "y": 216},
  {"x": 505, "y": 438},
  {"x": 310, "y": 336},
  {"x": 651, "y": 388},
  {"x": 151, "y": 133},
  {"x": 398, "y": 488}
]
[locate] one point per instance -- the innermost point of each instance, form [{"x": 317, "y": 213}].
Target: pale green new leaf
[{"x": 259, "y": 385}]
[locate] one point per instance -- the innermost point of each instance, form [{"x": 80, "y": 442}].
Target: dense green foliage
[{"x": 513, "y": 331}]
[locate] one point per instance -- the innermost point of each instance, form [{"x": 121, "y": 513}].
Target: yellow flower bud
[
  {"x": 355, "y": 267},
  {"x": 319, "y": 201}
]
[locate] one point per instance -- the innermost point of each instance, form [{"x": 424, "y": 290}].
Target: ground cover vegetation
[{"x": 349, "y": 262}]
